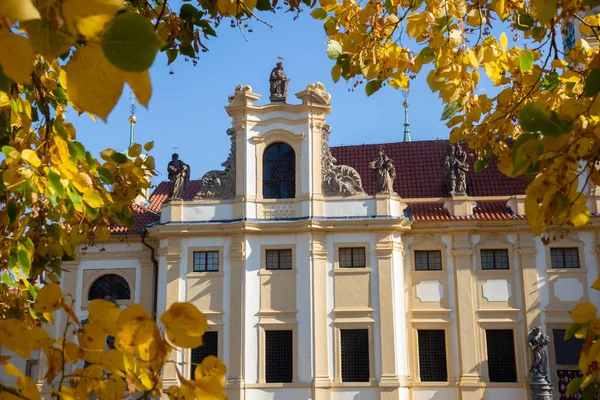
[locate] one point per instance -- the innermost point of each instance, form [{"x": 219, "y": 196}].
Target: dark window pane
[
  {"x": 279, "y": 259},
  {"x": 502, "y": 366},
  {"x": 279, "y": 172},
  {"x": 352, "y": 257},
  {"x": 564, "y": 257},
  {"x": 210, "y": 347},
  {"x": 206, "y": 261},
  {"x": 430, "y": 260},
  {"x": 279, "y": 356},
  {"x": 355, "y": 355},
  {"x": 432, "y": 356},
  {"x": 110, "y": 285},
  {"x": 494, "y": 259},
  {"x": 566, "y": 352}
]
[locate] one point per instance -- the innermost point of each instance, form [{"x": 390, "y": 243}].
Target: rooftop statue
[
  {"x": 385, "y": 172},
  {"x": 455, "y": 170},
  {"x": 540, "y": 387},
  {"x": 338, "y": 180},
  {"x": 179, "y": 176},
  {"x": 220, "y": 184},
  {"x": 278, "y": 83}
]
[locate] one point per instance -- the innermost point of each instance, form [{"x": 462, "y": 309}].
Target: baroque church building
[{"x": 353, "y": 272}]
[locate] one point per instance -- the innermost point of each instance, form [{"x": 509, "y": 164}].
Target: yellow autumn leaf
[
  {"x": 28, "y": 387},
  {"x": 48, "y": 299},
  {"x": 583, "y": 313},
  {"x": 10, "y": 369},
  {"x": 82, "y": 182},
  {"x": 112, "y": 361},
  {"x": 102, "y": 233},
  {"x": 72, "y": 352},
  {"x": 210, "y": 366},
  {"x": 133, "y": 328},
  {"x": 21, "y": 10},
  {"x": 93, "y": 25},
  {"x": 38, "y": 338},
  {"x": 579, "y": 215},
  {"x": 559, "y": 63},
  {"x": 31, "y": 157},
  {"x": 95, "y": 85},
  {"x": 494, "y": 72},
  {"x": 503, "y": 41},
  {"x": 92, "y": 341},
  {"x": 596, "y": 284},
  {"x": 12, "y": 333},
  {"x": 141, "y": 85},
  {"x": 184, "y": 325},
  {"x": 92, "y": 198},
  {"x": 16, "y": 58},
  {"x": 105, "y": 314}
]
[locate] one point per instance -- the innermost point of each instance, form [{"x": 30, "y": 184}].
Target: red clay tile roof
[
  {"x": 143, "y": 217},
  {"x": 419, "y": 174},
  {"x": 419, "y": 171}
]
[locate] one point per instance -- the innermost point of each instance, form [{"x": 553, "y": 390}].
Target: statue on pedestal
[
  {"x": 385, "y": 172},
  {"x": 278, "y": 83},
  {"x": 179, "y": 176},
  {"x": 455, "y": 170},
  {"x": 540, "y": 387}
]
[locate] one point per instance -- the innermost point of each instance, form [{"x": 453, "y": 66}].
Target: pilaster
[
  {"x": 527, "y": 255},
  {"x": 235, "y": 365},
  {"x": 173, "y": 254},
  {"x": 389, "y": 381},
  {"x": 322, "y": 380},
  {"x": 470, "y": 385}
]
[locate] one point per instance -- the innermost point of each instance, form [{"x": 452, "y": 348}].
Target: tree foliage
[{"x": 542, "y": 122}]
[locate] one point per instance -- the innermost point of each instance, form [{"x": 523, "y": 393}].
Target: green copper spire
[
  {"x": 406, "y": 124},
  {"x": 132, "y": 121}
]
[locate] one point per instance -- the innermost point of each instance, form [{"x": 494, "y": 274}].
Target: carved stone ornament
[
  {"x": 240, "y": 89},
  {"x": 384, "y": 171},
  {"x": 220, "y": 184},
  {"x": 179, "y": 176},
  {"x": 455, "y": 170},
  {"x": 278, "y": 84},
  {"x": 338, "y": 180},
  {"x": 540, "y": 387},
  {"x": 319, "y": 89}
]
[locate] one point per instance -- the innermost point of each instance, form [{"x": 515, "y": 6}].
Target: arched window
[
  {"x": 110, "y": 285},
  {"x": 279, "y": 172}
]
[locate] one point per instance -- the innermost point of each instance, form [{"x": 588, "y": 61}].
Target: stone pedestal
[{"x": 540, "y": 390}]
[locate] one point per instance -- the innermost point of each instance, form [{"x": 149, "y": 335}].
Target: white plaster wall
[
  {"x": 304, "y": 208},
  {"x": 250, "y": 186},
  {"x": 305, "y": 160},
  {"x": 504, "y": 394},
  {"x": 495, "y": 290},
  {"x": 375, "y": 305},
  {"x": 541, "y": 265},
  {"x": 429, "y": 291},
  {"x": 434, "y": 394},
  {"x": 447, "y": 240},
  {"x": 165, "y": 214},
  {"x": 277, "y": 394},
  {"x": 226, "y": 297},
  {"x": 354, "y": 394},
  {"x": 161, "y": 296},
  {"x": 329, "y": 242},
  {"x": 304, "y": 307},
  {"x": 399, "y": 311},
  {"x": 133, "y": 245},
  {"x": 591, "y": 264},
  {"x": 349, "y": 208},
  {"x": 251, "y": 308},
  {"x": 207, "y": 212},
  {"x": 568, "y": 289}
]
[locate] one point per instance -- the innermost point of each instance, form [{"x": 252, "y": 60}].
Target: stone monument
[
  {"x": 385, "y": 172},
  {"x": 539, "y": 386},
  {"x": 455, "y": 170},
  {"x": 278, "y": 83},
  {"x": 179, "y": 176}
]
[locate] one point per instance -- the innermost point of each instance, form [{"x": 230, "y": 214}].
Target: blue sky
[{"x": 187, "y": 106}]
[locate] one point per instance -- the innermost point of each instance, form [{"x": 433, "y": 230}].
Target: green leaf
[
  {"x": 481, "y": 164},
  {"x": 106, "y": 176},
  {"x": 426, "y": 55},
  {"x": 56, "y": 184},
  {"x": 331, "y": 25},
  {"x": 534, "y": 118},
  {"x": 5, "y": 81},
  {"x": 7, "y": 150},
  {"x": 171, "y": 56},
  {"x": 550, "y": 81},
  {"x": 60, "y": 129},
  {"x": 46, "y": 38},
  {"x": 89, "y": 158},
  {"x": 8, "y": 280},
  {"x": 263, "y": 5},
  {"x": 571, "y": 330},
  {"x": 207, "y": 29},
  {"x": 319, "y": 13},
  {"x": 592, "y": 83},
  {"x": 526, "y": 61},
  {"x": 189, "y": 11},
  {"x": 334, "y": 49},
  {"x": 450, "y": 110},
  {"x": 13, "y": 211},
  {"x": 573, "y": 386},
  {"x": 56, "y": 267},
  {"x": 524, "y": 22},
  {"x": 336, "y": 72},
  {"x": 77, "y": 201},
  {"x": 119, "y": 158},
  {"x": 372, "y": 86},
  {"x": 591, "y": 3},
  {"x": 130, "y": 43},
  {"x": 589, "y": 392},
  {"x": 24, "y": 261}
]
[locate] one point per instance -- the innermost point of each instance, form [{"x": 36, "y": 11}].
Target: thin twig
[{"x": 162, "y": 11}]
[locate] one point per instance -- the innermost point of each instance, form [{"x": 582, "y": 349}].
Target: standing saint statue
[
  {"x": 179, "y": 176},
  {"x": 385, "y": 172},
  {"x": 539, "y": 386},
  {"x": 455, "y": 170},
  {"x": 278, "y": 83}
]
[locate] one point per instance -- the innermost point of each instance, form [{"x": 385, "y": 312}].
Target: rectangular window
[
  {"x": 352, "y": 257},
  {"x": 566, "y": 352},
  {"x": 355, "y": 355},
  {"x": 206, "y": 261},
  {"x": 494, "y": 259},
  {"x": 210, "y": 346},
  {"x": 31, "y": 369},
  {"x": 279, "y": 259},
  {"x": 430, "y": 260},
  {"x": 432, "y": 356},
  {"x": 565, "y": 257},
  {"x": 502, "y": 366},
  {"x": 279, "y": 356}
]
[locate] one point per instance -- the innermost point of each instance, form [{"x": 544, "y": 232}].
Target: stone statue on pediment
[
  {"x": 337, "y": 180},
  {"x": 220, "y": 184},
  {"x": 278, "y": 83},
  {"x": 179, "y": 176},
  {"x": 385, "y": 172},
  {"x": 455, "y": 170}
]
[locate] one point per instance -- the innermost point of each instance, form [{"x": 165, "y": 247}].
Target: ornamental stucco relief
[
  {"x": 430, "y": 291},
  {"x": 568, "y": 289},
  {"x": 495, "y": 290}
]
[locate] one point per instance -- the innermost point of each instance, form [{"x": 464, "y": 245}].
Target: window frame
[
  {"x": 515, "y": 355},
  {"x": 279, "y": 250},
  {"x": 369, "y": 355},
  {"x": 104, "y": 275},
  {"x": 427, "y": 252},
  {"x": 563, "y": 248},
  {"x": 495, "y": 250},
  {"x": 271, "y": 324},
  {"x": 277, "y": 162},
  {"x": 357, "y": 323},
  {"x": 192, "y": 364},
  {"x": 206, "y": 258},
  {"x": 352, "y": 249},
  {"x": 418, "y": 347}
]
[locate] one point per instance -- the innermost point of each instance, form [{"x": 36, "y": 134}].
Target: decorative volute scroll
[
  {"x": 314, "y": 94},
  {"x": 220, "y": 184},
  {"x": 338, "y": 180},
  {"x": 243, "y": 96}
]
